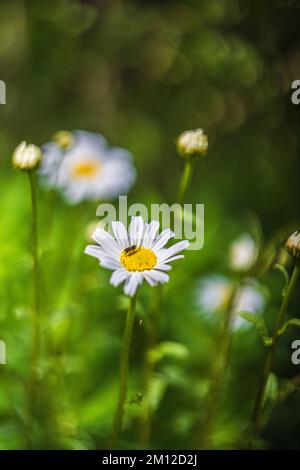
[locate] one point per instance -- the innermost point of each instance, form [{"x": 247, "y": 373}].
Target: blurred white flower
[
  {"x": 249, "y": 298},
  {"x": 88, "y": 169},
  {"x": 215, "y": 292},
  {"x": 243, "y": 253},
  {"x": 137, "y": 255}
]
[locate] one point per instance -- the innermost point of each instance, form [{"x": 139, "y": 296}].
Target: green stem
[
  {"x": 258, "y": 404},
  {"x": 218, "y": 372},
  {"x": 36, "y": 337},
  {"x": 149, "y": 368},
  {"x": 185, "y": 179},
  {"x": 124, "y": 366},
  {"x": 152, "y": 332}
]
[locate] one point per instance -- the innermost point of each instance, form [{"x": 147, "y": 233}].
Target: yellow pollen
[
  {"x": 86, "y": 169},
  {"x": 138, "y": 258}
]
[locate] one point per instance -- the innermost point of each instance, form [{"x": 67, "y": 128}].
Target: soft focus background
[{"x": 140, "y": 72}]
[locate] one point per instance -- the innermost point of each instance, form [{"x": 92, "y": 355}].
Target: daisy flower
[
  {"x": 87, "y": 169},
  {"x": 215, "y": 292},
  {"x": 137, "y": 255},
  {"x": 243, "y": 253}
]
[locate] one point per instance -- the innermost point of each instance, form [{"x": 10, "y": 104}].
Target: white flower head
[
  {"x": 249, "y": 298},
  {"x": 26, "y": 156},
  {"x": 215, "y": 293},
  {"x": 243, "y": 253},
  {"x": 136, "y": 255},
  {"x": 293, "y": 244},
  {"x": 192, "y": 143},
  {"x": 88, "y": 169}
]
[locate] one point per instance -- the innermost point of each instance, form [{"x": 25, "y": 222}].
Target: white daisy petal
[
  {"x": 149, "y": 279},
  {"x": 136, "y": 230},
  {"x": 52, "y": 158},
  {"x": 163, "y": 239},
  {"x": 94, "y": 250},
  {"x": 106, "y": 241},
  {"x": 120, "y": 233},
  {"x": 179, "y": 246},
  {"x": 132, "y": 283},
  {"x": 173, "y": 258},
  {"x": 163, "y": 267},
  {"x": 118, "y": 276},
  {"x": 109, "y": 263},
  {"x": 90, "y": 140},
  {"x": 159, "y": 276},
  {"x": 150, "y": 233}
]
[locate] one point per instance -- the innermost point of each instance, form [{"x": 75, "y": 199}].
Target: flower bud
[
  {"x": 192, "y": 143},
  {"x": 26, "y": 157},
  {"x": 64, "y": 139},
  {"x": 293, "y": 245}
]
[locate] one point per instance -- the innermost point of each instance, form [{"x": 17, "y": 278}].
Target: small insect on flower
[
  {"x": 26, "y": 156},
  {"x": 131, "y": 250},
  {"x": 84, "y": 167},
  {"x": 137, "y": 255}
]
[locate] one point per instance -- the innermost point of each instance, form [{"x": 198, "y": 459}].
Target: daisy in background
[
  {"x": 83, "y": 167},
  {"x": 243, "y": 253},
  {"x": 215, "y": 292},
  {"x": 137, "y": 255}
]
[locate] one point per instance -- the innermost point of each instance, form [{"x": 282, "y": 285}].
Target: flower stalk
[
  {"x": 36, "y": 334},
  {"x": 149, "y": 368},
  {"x": 218, "y": 371},
  {"x": 219, "y": 368},
  {"x": 124, "y": 367},
  {"x": 185, "y": 179}
]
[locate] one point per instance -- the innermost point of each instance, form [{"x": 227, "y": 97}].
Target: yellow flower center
[
  {"x": 86, "y": 169},
  {"x": 138, "y": 258}
]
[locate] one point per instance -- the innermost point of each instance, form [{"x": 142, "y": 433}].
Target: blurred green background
[{"x": 140, "y": 72}]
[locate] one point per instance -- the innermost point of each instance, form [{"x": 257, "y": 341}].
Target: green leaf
[
  {"x": 157, "y": 390},
  {"x": 259, "y": 324},
  {"x": 272, "y": 388},
  {"x": 168, "y": 349},
  {"x": 291, "y": 322}
]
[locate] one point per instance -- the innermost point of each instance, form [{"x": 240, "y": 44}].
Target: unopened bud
[
  {"x": 64, "y": 139},
  {"x": 26, "y": 157},
  {"x": 192, "y": 143},
  {"x": 293, "y": 245}
]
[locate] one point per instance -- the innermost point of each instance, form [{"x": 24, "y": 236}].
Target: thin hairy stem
[{"x": 36, "y": 334}]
